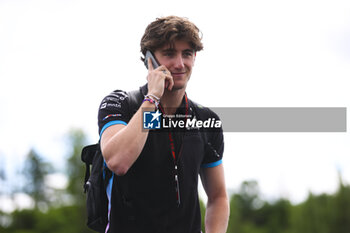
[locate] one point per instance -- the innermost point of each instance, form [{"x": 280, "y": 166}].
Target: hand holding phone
[{"x": 158, "y": 79}]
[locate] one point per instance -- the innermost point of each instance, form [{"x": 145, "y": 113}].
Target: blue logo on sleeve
[{"x": 151, "y": 120}]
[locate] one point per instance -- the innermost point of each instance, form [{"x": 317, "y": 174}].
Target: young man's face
[{"x": 179, "y": 60}]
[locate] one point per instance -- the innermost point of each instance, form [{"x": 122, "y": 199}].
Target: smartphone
[{"x": 153, "y": 59}]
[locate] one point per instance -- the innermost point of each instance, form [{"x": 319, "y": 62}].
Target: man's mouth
[{"x": 177, "y": 74}]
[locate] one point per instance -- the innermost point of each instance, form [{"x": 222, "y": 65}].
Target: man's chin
[{"x": 178, "y": 86}]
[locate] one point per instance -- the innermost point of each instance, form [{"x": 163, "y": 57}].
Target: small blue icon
[{"x": 151, "y": 120}]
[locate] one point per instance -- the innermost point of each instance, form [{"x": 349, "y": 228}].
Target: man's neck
[{"x": 171, "y": 100}]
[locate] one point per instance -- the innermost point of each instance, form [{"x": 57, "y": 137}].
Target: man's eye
[
  {"x": 169, "y": 54},
  {"x": 188, "y": 54}
]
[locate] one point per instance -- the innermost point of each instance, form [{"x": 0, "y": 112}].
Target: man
[{"x": 155, "y": 187}]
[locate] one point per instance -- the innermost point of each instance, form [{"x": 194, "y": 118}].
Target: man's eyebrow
[
  {"x": 174, "y": 50},
  {"x": 189, "y": 50},
  {"x": 168, "y": 50}
]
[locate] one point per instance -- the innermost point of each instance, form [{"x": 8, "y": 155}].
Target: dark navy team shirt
[{"x": 145, "y": 197}]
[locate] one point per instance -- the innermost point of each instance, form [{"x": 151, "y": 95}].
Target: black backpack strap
[
  {"x": 134, "y": 101},
  {"x": 87, "y": 156}
]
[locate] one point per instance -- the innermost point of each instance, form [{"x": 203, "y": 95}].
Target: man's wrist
[
  {"x": 153, "y": 96},
  {"x": 153, "y": 99}
]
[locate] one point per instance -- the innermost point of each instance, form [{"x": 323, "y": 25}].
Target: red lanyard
[
  {"x": 172, "y": 148},
  {"x": 171, "y": 140}
]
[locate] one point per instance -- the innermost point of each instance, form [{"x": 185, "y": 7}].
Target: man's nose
[{"x": 179, "y": 62}]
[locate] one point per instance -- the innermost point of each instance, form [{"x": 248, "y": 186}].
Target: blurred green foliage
[
  {"x": 35, "y": 170},
  {"x": 65, "y": 209},
  {"x": 318, "y": 214}
]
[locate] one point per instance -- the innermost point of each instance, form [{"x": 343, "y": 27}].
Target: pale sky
[{"x": 58, "y": 59}]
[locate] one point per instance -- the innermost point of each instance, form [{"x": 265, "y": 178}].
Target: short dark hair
[{"x": 167, "y": 30}]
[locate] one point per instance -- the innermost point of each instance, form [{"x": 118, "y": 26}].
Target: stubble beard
[{"x": 181, "y": 86}]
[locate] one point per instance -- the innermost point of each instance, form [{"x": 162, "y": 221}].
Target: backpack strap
[
  {"x": 87, "y": 156},
  {"x": 134, "y": 101}
]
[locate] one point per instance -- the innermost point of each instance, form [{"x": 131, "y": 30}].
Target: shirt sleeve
[
  {"x": 114, "y": 109},
  {"x": 214, "y": 148}
]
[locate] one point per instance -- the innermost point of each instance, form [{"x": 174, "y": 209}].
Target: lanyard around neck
[
  {"x": 171, "y": 139},
  {"x": 172, "y": 148}
]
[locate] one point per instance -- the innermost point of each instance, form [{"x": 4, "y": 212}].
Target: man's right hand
[{"x": 158, "y": 79}]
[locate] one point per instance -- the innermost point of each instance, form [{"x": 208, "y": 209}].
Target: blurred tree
[
  {"x": 341, "y": 221},
  {"x": 248, "y": 199},
  {"x": 23, "y": 221},
  {"x": 2, "y": 191},
  {"x": 66, "y": 216},
  {"x": 76, "y": 173},
  {"x": 243, "y": 206},
  {"x": 55, "y": 220},
  {"x": 316, "y": 214},
  {"x": 234, "y": 223},
  {"x": 250, "y": 214},
  {"x": 75, "y": 168},
  {"x": 65, "y": 219},
  {"x": 274, "y": 218},
  {"x": 35, "y": 170},
  {"x": 3, "y": 221}
]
